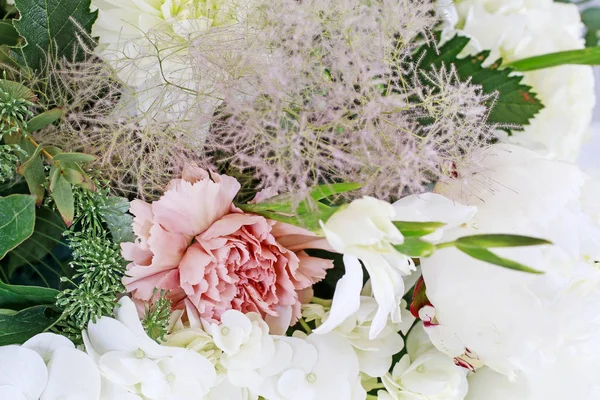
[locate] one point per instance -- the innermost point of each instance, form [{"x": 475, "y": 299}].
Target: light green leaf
[
  {"x": 52, "y": 27},
  {"x": 417, "y": 229},
  {"x": 20, "y": 297},
  {"x": 44, "y": 119},
  {"x": 414, "y": 247},
  {"x": 8, "y": 34},
  {"x": 17, "y": 90},
  {"x": 119, "y": 222},
  {"x": 17, "y": 328},
  {"x": 587, "y": 56},
  {"x": 17, "y": 220},
  {"x": 489, "y": 257},
  {"x": 322, "y": 191},
  {"x": 500, "y": 240},
  {"x": 31, "y": 162},
  {"x": 62, "y": 193},
  {"x": 73, "y": 176},
  {"x": 591, "y": 19},
  {"x": 74, "y": 157},
  {"x": 34, "y": 172}
]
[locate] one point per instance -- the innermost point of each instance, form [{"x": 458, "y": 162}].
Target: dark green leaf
[
  {"x": 587, "y": 56},
  {"x": 62, "y": 193},
  {"x": 417, "y": 229},
  {"x": 516, "y": 104},
  {"x": 17, "y": 328},
  {"x": 20, "y": 297},
  {"x": 74, "y": 157},
  {"x": 591, "y": 19},
  {"x": 499, "y": 240},
  {"x": 8, "y": 34},
  {"x": 119, "y": 222},
  {"x": 489, "y": 257},
  {"x": 414, "y": 247},
  {"x": 17, "y": 219},
  {"x": 44, "y": 119},
  {"x": 47, "y": 234},
  {"x": 52, "y": 27}
]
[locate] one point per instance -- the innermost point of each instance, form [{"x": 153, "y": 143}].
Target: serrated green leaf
[
  {"x": 62, "y": 193},
  {"x": 8, "y": 34},
  {"x": 516, "y": 104},
  {"x": 587, "y": 56},
  {"x": 18, "y": 297},
  {"x": 74, "y": 157},
  {"x": 44, "y": 119},
  {"x": 52, "y": 27},
  {"x": 17, "y": 220},
  {"x": 489, "y": 257},
  {"x": 17, "y": 328},
  {"x": 417, "y": 229},
  {"x": 47, "y": 234},
  {"x": 414, "y": 247},
  {"x": 114, "y": 212},
  {"x": 500, "y": 240}
]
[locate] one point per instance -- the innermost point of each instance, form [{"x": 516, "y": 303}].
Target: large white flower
[
  {"x": 532, "y": 327},
  {"x": 47, "y": 367},
  {"x": 517, "y": 29},
  {"x": 134, "y": 366}
]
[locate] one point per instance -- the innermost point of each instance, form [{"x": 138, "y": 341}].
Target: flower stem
[
  {"x": 445, "y": 244},
  {"x": 323, "y": 302},
  {"x": 307, "y": 328}
]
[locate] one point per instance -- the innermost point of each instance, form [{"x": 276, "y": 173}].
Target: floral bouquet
[{"x": 297, "y": 200}]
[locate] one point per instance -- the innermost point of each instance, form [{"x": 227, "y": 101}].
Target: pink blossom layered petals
[
  {"x": 144, "y": 288},
  {"x": 134, "y": 252},
  {"x": 295, "y": 238},
  {"x": 142, "y": 221},
  {"x": 167, "y": 248},
  {"x": 191, "y": 208},
  {"x": 310, "y": 270}
]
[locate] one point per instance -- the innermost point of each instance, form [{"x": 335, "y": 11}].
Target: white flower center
[
  {"x": 139, "y": 353},
  {"x": 225, "y": 331},
  {"x": 311, "y": 378}
]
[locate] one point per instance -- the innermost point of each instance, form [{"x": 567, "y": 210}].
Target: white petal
[
  {"x": 127, "y": 314},
  {"x": 46, "y": 343},
  {"x": 72, "y": 375},
  {"x": 346, "y": 298},
  {"x": 293, "y": 385},
  {"x": 23, "y": 369},
  {"x": 108, "y": 334},
  {"x": 11, "y": 393}
]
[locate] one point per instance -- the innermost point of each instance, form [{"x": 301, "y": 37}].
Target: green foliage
[
  {"x": 96, "y": 284},
  {"x": 489, "y": 257},
  {"x": 305, "y": 213},
  {"x": 8, "y": 34},
  {"x": 587, "y": 56},
  {"x": 500, "y": 240},
  {"x": 17, "y": 298},
  {"x": 157, "y": 316},
  {"x": 515, "y": 104},
  {"x": 591, "y": 19},
  {"x": 17, "y": 220},
  {"x": 44, "y": 119},
  {"x": 417, "y": 229},
  {"x": 18, "y": 327},
  {"x": 119, "y": 223},
  {"x": 414, "y": 247},
  {"x": 8, "y": 160},
  {"x": 52, "y": 27}
]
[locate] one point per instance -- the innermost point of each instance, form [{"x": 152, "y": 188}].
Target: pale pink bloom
[{"x": 212, "y": 257}]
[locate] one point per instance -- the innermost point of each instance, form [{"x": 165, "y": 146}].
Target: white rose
[
  {"x": 519, "y": 29},
  {"x": 364, "y": 231},
  {"x": 135, "y": 365},
  {"x": 47, "y": 367},
  {"x": 516, "y": 323}
]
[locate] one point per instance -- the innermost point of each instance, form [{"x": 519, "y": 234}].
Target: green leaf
[
  {"x": 52, "y": 27},
  {"x": 17, "y": 220},
  {"x": 587, "y": 56},
  {"x": 591, "y": 19},
  {"x": 417, "y": 229},
  {"x": 20, "y": 297},
  {"x": 489, "y": 257},
  {"x": 516, "y": 104},
  {"x": 118, "y": 221},
  {"x": 44, "y": 119},
  {"x": 62, "y": 193},
  {"x": 74, "y": 157},
  {"x": 17, "y": 90},
  {"x": 8, "y": 34},
  {"x": 35, "y": 175},
  {"x": 499, "y": 240},
  {"x": 30, "y": 163},
  {"x": 414, "y": 247},
  {"x": 17, "y": 328},
  {"x": 48, "y": 232},
  {"x": 322, "y": 191}
]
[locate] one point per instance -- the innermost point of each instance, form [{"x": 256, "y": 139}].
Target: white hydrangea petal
[
  {"x": 10, "y": 392},
  {"x": 108, "y": 334},
  {"x": 294, "y": 385},
  {"x": 126, "y": 313},
  {"x": 24, "y": 369},
  {"x": 124, "y": 368},
  {"x": 72, "y": 375},
  {"x": 346, "y": 298},
  {"x": 46, "y": 343}
]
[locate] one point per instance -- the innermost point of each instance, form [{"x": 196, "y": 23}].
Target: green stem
[
  {"x": 587, "y": 56},
  {"x": 323, "y": 302},
  {"x": 444, "y": 245},
  {"x": 307, "y": 328}
]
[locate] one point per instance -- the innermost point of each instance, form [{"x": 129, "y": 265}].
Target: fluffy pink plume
[{"x": 211, "y": 257}]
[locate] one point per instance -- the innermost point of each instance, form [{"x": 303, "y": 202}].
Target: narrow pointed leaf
[
  {"x": 587, "y": 56},
  {"x": 17, "y": 297},
  {"x": 322, "y": 191},
  {"x": 74, "y": 157},
  {"x": 44, "y": 119},
  {"x": 414, "y": 247},
  {"x": 31, "y": 162},
  {"x": 500, "y": 240},
  {"x": 62, "y": 194},
  {"x": 417, "y": 229},
  {"x": 489, "y": 257},
  {"x": 17, "y": 220}
]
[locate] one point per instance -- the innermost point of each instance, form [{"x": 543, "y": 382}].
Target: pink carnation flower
[{"x": 212, "y": 257}]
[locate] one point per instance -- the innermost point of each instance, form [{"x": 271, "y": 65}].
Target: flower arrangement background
[{"x": 248, "y": 199}]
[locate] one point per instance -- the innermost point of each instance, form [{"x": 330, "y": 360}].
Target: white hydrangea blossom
[{"x": 518, "y": 29}]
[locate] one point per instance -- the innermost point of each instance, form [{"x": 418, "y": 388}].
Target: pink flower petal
[{"x": 295, "y": 238}]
